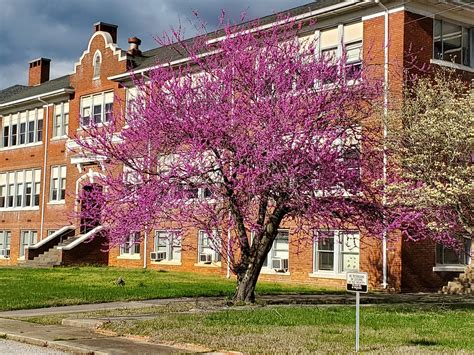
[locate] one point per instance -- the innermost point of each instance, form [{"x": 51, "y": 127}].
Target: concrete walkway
[{"x": 77, "y": 340}]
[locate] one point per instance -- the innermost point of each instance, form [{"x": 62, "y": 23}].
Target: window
[
  {"x": 20, "y": 189},
  {"x": 446, "y": 256},
  {"x": 27, "y": 238},
  {"x": 61, "y": 119},
  {"x": 22, "y": 128},
  {"x": 452, "y": 42},
  {"x": 209, "y": 248},
  {"x": 100, "y": 106},
  {"x": 58, "y": 183},
  {"x": 5, "y": 239},
  {"x": 51, "y": 231},
  {"x": 167, "y": 246},
  {"x": 336, "y": 252},
  {"x": 97, "y": 63},
  {"x": 344, "y": 39},
  {"x": 131, "y": 246},
  {"x": 277, "y": 258}
]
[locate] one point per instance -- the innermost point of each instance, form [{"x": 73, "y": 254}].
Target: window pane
[
  {"x": 329, "y": 38},
  {"x": 325, "y": 261}
]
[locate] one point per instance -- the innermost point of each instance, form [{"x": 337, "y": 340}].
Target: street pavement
[{"x": 16, "y": 348}]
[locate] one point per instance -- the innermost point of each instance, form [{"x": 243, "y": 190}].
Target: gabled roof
[
  {"x": 24, "y": 92},
  {"x": 11, "y": 91}
]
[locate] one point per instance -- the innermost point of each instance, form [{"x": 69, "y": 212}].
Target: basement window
[
  {"x": 27, "y": 239},
  {"x": 5, "y": 240}
]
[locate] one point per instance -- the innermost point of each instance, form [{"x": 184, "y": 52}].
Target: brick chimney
[
  {"x": 133, "y": 48},
  {"x": 107, "y": 27},
  {"x": 38, "y": 71}
]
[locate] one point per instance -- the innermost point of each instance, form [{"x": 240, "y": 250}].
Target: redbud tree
[{"x": 253, "y": 131}]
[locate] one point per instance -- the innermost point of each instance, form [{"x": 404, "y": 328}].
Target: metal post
[{"x": 357, "y": 320}]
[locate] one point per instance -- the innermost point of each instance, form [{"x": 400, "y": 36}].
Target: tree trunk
[{"x": 246, "y": 284}]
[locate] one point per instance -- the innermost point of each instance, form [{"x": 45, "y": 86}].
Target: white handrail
[
  {"x": 51, "y": 237},
  {"x": 81, "y": 238}
]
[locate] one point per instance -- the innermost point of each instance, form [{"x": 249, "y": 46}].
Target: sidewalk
[{"x": 77, "y": 340}]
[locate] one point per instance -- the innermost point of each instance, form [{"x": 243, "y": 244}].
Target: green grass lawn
[
  {"x": 22, "y": 288},
  {"x": 306, "y": 329}
]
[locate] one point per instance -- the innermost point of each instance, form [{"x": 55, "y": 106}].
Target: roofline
[
  {"x": 323, "y": 10},
  {"x": 44, "y": 95}
]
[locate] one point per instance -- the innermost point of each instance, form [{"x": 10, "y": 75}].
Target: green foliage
[
  {"x": 35, "y": 288},
  {"x": 434, "y": 137}
]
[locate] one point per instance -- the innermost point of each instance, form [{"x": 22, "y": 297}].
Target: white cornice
[{"x": 36, "y": 97}]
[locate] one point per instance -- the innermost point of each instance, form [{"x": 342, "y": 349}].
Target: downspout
[
  {"x": 45, "y": 165},
  {"x": 385, "y": 134}
]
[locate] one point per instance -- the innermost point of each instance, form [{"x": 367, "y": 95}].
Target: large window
[
  {"x": 27, "y": 238},
  {"x": 209, "y": 248},
  {"x": 58, "y": 184},
  {"x": 97, "y": 109},
  {"x": 447, "y": 256},
  {"x": 5, "y": 239},
  {"x": 167, "y": 246},
  {"x": 131, "y": 246},
  {"x": 336, "y": 252},
  {"x": 61, "y": 119},
  {"x": 452, "y": 42},
  {"x": 20, "y": 189},
  {"x": 22, "y": 128},
  {"x": 344, "y": 39},
  {"x": 277, "y": 258}
]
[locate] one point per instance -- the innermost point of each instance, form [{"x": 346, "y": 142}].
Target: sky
[{"x": 60, "y": 29}]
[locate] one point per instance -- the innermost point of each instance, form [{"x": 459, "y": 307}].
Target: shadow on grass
[{"x": 423, "y": 342}]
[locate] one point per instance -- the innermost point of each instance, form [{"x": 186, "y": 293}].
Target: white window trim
[
  {"x": 91, "y": 108},
  {"x": 131, "y": 253},
  {"x": 96, "y": 54},
  {"x": 332, "y": 274},
  {"x": 58, "y": 199},
  {"x": 13, "y": 175},
  {"x": 268, "y": 270},
  {"x": 63, "y": 122},
  {"x": 3, "y": 236},
  {"x": 15, "y": 119},
  {"x": 215, "y": 254},
  {"x": 169, "y": 249},
  {"x": 29, "y": 233}
]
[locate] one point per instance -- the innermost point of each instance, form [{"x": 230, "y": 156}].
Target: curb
[{"x": 52, "y": 345}]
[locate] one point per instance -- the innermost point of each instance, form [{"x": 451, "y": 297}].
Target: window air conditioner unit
[
  {"x": 205, "y": 258},
  {"x": 280, "y": 265},
  {"x": 158, "y": 256}
]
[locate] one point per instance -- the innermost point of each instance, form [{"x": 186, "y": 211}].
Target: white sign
[{"x": 357, "y": 282}]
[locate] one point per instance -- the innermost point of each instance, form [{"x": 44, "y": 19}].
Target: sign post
[{"x": 357, "y": 282}]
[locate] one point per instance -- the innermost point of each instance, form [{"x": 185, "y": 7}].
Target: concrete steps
[{"x": 52, "y": 257}]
